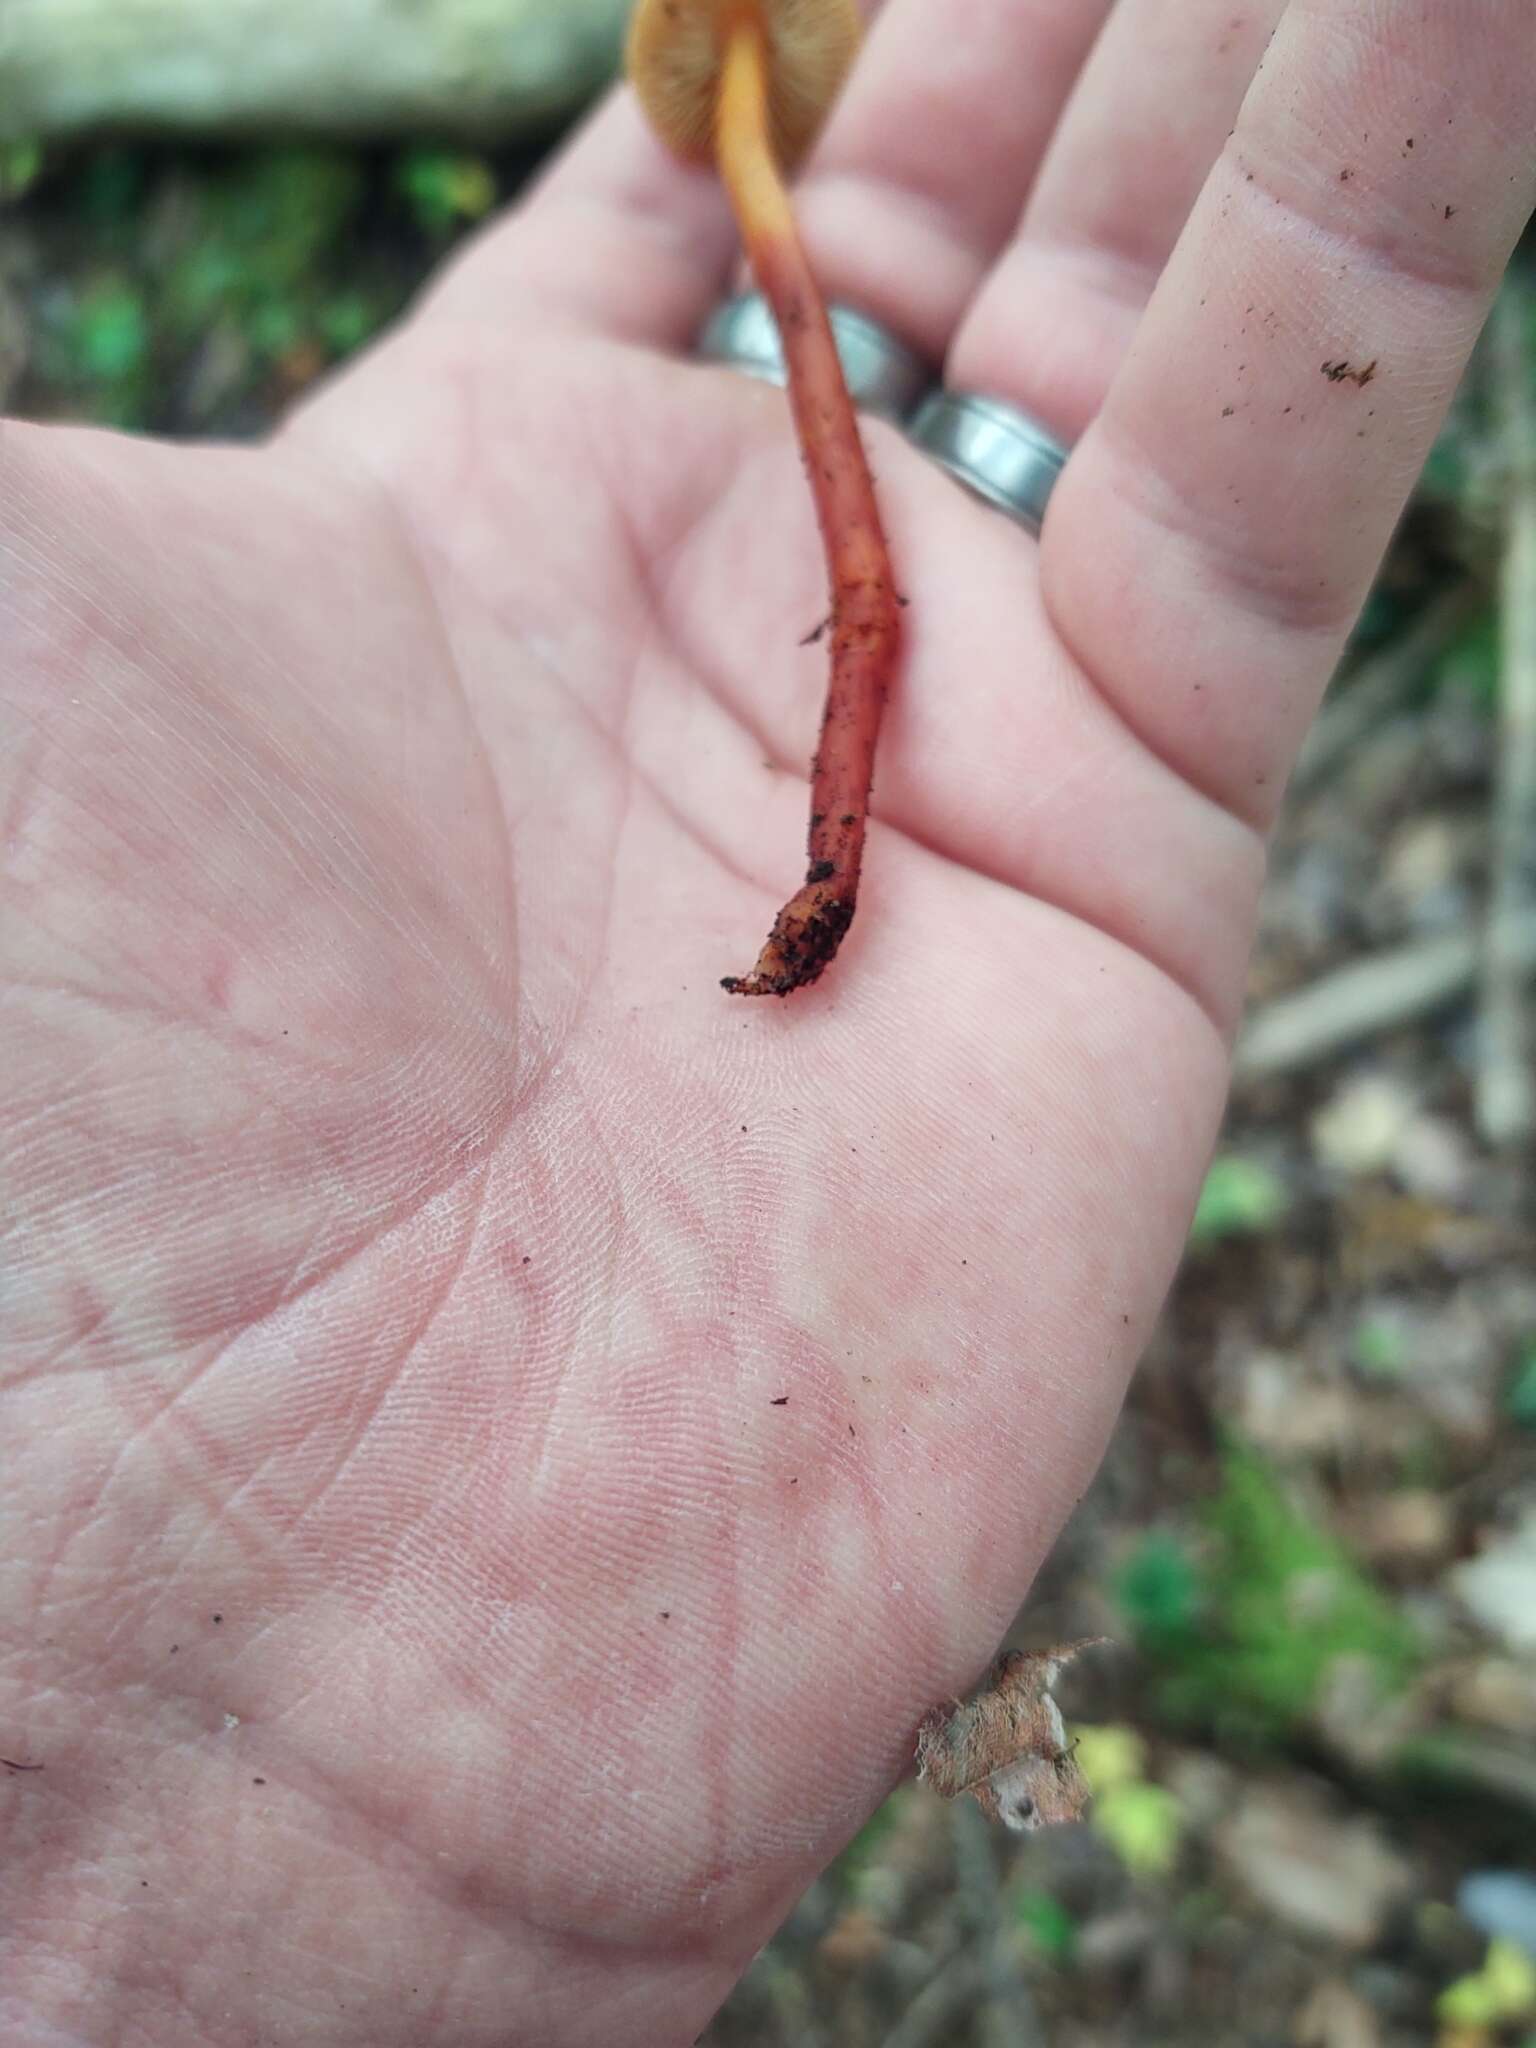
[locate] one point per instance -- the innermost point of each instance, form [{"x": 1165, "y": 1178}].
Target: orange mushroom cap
[{"x": 677, "y": 47}]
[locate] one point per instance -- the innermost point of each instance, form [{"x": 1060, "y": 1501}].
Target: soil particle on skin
[{"x": 1342, "y": 371}]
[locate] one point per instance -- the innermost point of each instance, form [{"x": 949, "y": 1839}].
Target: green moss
[
  {"x": 1245, "y": 1621},
  {"x": 97, "y": 342},
  {"x": 1050, "y": 1927},
  {"x": 1469, "y": 667},
  {"x": 21, "y": 165},
  {"x": 348, "y": 319},
  {"x": 1520, "y": 1397},
  {"x": 110, "y": 333},
  {"x": 266, "y": 226},
  {"x": 442, "y": 188},
  {"x": 1240, "y": 1198},
  {"x": 1160, "y": 1592},
  {"x": 864, "y": 1852},
  {"x": 1379, "y": 1348},
  {"x": 282, "y": 209},
  {"x": 1144, "y": 1824},
  {"x": 1446, "y": 470},
  {"x": 110, "y": 186}
]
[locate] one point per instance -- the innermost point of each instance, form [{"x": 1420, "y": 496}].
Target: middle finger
[{"x": 1155, "y": 103}]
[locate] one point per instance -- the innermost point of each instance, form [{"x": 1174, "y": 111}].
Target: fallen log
[{"x": 482, "y": 71}]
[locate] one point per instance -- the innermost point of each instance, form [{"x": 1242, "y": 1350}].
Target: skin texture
[{"x": 428, "y": 1624}]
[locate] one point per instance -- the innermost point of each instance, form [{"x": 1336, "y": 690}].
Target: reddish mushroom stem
[{"x": 866, "y": 616}]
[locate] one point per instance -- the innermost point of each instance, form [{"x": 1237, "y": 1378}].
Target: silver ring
[
  {"x": 884, "y": 375},
  {"x": 996, "y": 451}
]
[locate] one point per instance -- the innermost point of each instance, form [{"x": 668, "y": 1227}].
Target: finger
[
  {"x": 1213, "y": 538},
  {"x": 919, "y": 180},
  {"x": 993, "y": 752},
  {"x": 904, "y": 205},
  {"x": 1155, "y": 103}
]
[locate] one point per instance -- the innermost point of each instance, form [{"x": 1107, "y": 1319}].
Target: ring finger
[
  {"x": 904, "y": 205},
  {"x": 932, "y": 150}
]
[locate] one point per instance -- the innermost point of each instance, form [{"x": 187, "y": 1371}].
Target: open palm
[{"x": 507, "y": 1440}]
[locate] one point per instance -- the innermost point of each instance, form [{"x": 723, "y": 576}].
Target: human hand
[{"x": 504, "y": 1441}]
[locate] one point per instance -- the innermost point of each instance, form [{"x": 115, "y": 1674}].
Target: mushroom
[{"x": 746, "y": 85}]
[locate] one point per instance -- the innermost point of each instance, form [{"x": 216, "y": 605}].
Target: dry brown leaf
[
  {"x": 856, "y": 1940},
  {"x": 1007, "y": 1747},
  {"x": 1336, "y": 2017}
]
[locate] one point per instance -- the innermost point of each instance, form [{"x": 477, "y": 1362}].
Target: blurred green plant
[
  {"x": 1244, "y": 1617},
  {"x": 1520, "y": 1397},
  {"x": 1379, "y": 1348},
  {"x": 1143, "y": 1822},
  {"x": 110, "y": 332},
  {"x": 1445, "y": 475},
  {"x": 443, "y": 188},
  {"x": 1469, "y": 668},
  {"x": 21, "y": 165},
  {"x": 347, "y": 320},
  {"x": 864, "y": 1853},
  {"x": 1049, "y": 1927},
  {"x": 110, "y": 185},
  {"x": 98, "y": 341},
  {"x": 263, "y": 227},
  {"x": 1502, "y": 1992},
  {"x": 1160, "y": 1587},
  {"x": 247, "y": 246},
  {"x": 1240, "y": 1198}
]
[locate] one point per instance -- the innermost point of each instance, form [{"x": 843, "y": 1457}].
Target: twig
[
  {"x": 975, "y": 1867},
  {"x": 935, "y": 2013},
  {"x": 1007, "y": 2013},
  {"x": 1470, "y": 1760},
  {"x": 1379, "y": 685},
  {"x": 1381, "y": 993},
  {"x": 372, "y": 67},
  {"x": 785, "y": 1991},
  {"x": 1506, "y": 1083}
]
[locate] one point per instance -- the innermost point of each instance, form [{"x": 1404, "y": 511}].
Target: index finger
[{"x": 1214, "y": 536}]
